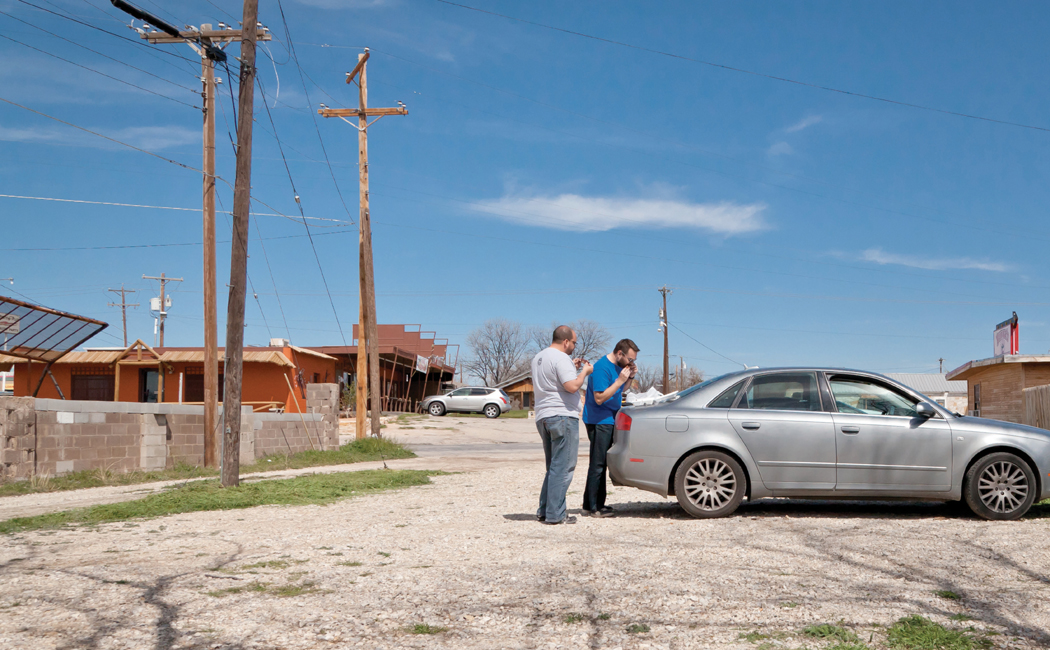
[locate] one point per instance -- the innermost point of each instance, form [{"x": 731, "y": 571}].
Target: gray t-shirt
[{"x": 550, "y": 369}]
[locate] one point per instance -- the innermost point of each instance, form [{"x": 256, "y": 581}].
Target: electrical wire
[
  {"x": 168, "y": 245},
  {"x": 751, "y": 72},
  {"x": 84, "y": 47},
  {"x": 706, "y": 346},
  {"x": 99, "y": 72},
  {"x": 313, "y": 116},
  {"x": 251, "y": 285}
]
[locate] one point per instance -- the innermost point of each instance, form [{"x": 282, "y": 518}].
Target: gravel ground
[{"x": 466, "y": 554}]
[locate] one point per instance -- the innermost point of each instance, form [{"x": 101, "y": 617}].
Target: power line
[
  {"x": 84, "y": 47},
  {"x": 251, "y": 284},
  {"x": 750, "y": 72},
  {"x": 168, "y": 245},
  {"x": 99, "y": 72},
  {"x": 706, "y": 346}
]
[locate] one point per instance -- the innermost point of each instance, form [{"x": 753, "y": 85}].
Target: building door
[
  {"x": 148, "y": 382},
  {"x": 193, "y": 391},
  {"x": 98, "y": 388}
]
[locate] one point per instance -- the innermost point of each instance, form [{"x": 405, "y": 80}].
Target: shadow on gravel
[{"x": 799, "y": 508}]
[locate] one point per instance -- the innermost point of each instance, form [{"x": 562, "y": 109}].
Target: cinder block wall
[
  {"x": 323, "y": 399},
  {"x": 56, "y": 437}
]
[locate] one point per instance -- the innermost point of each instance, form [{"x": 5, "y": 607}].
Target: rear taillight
[
  {"x": 504, "y": 399},
  {"x": 623, "y": 421}
]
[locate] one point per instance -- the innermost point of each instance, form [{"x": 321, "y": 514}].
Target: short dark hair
[
  {"x": 624, "y": 345},
  {"x": 562, "y": 333}
]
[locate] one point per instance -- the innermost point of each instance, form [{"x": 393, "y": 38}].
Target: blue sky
[{"x": 543, "y": 176}]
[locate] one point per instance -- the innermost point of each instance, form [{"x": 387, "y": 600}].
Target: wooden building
[
  {"x": 994, "y": 386},
  {"x": 520, "y": 390},
  {"x": 275, "y": 378}
]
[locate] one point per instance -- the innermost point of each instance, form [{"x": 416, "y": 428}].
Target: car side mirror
[{"x": 925, "y": 410}]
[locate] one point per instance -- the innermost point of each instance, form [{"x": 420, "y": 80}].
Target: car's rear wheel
[
  {"x": 491, "y": 411},
  {"x": 436, "y": 408},
  {"x": 1000, "y": 486},
  {"x": 710, "y": 484}
]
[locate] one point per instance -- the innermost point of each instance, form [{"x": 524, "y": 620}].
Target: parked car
[
  {"x": 820, "y": 433},
  {"x": 493, "y": 402}
]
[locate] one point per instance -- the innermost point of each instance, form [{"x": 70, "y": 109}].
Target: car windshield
[{"x": 692, "y": 389}]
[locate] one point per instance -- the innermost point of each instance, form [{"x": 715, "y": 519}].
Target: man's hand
[
  {"x": 578, "y": 362},
  {"x": 587, "y": 367},
  {"x": 625, "y": 375}
]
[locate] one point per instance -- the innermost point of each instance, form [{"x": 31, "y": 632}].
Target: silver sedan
[{"x": 824, "y": 433}]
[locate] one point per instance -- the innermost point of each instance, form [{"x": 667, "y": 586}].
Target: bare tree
[
  {"x": 592, "y": 339},
  {"x": 647, "y": 377},
  {"x": 497, "y": 349},
  {"x": 689, "y": 377}
]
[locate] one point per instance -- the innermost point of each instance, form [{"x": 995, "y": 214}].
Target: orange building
[{"x": 274, "y": 377}]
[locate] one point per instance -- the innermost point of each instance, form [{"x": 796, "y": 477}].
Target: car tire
[
  {"x": 436, "y": 408},
  {"x": 710, "y": 484},
  {"x": 1000, "y": 487},
  {"x": 491, "y": 411}
]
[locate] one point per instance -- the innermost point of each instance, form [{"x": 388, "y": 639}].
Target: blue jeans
[
  {"x": 561, "y": 446},
  {"x": 601, "y": 437}
]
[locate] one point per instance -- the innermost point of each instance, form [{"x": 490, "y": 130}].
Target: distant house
[
  {"x": 995, "y": 386},
  {"x": 949, "y": 394},
  {"x": 519, "y": 388}
]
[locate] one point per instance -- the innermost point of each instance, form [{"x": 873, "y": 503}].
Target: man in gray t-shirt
[{"x": 556, "y": 382}]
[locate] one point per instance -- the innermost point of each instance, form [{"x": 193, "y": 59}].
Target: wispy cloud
[
  {"x": 780, "y": 149},
  {"x": 879, "y": 256},
  {"x": 152, "y": 138},
  {"x": 589, "y": 214},
  {"x": 805, "y": 123}
]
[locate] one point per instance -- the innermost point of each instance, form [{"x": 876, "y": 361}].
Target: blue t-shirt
[{"x": 604, "y": 376}]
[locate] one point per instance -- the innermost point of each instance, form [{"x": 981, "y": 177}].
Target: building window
[{"x": 977, "y": 400}]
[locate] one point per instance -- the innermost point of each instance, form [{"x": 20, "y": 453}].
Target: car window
[
  {"x": 479, "y": 391},
  {"x": 726, "y": 399},
  {"x": 706, "y": 383},
  {"x": 863, "y": 396},
  {"x": 461, "y": 392},
  {"x": 788, "y": 391}
]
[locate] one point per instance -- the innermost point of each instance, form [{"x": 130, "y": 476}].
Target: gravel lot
[{"x": 466, "y": 554}]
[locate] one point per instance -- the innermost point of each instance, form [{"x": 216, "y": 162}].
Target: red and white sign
[
  {"x": 1005, "y": 339},
  {"x": 9, "y": 324},
  {"x": 422, "y": 364}
]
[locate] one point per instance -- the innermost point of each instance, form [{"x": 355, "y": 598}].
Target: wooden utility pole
[
  {"x": 124, "y": 304},
  {"x": 163, "y": 314},
  {"x": 367, "y": 329},
  {"x": 663, "y": 323},
  {"x": 231, "y": 456},
  {"x": 207, "y": 43}
]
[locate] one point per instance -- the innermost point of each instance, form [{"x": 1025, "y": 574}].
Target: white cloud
[
  {"x": 780, "y": 149},
  {"x": 152, "y": 138},
  {"x": 805, "y": 123},
  {"x": 590, "y": 214},
  {"x": 878, "y": 256}
]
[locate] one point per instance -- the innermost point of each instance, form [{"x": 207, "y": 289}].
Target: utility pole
[
  {"x": 163, "y": 314},
  {"x": 367, "y": 330},
  {"x": 941, "y": 365},
  {"x": 123, "y": 308},
  {"x": 208, "y": 44},
  {"x": 663, "y": 324},
  {"x": 231, "y": 457}
]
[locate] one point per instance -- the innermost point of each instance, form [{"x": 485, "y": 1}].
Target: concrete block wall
[
  {"x": 56, "y": 437},
  {"x": 323, "y": 399}
]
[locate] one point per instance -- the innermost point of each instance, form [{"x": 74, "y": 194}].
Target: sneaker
[
  {"x": 567, "y": 520},
  {"x": 541, "y": 518},
  {"x": 608, "y": 510}
]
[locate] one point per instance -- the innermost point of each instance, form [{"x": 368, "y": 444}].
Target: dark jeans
[
  {"x": 601, "y": 437},
  {"x": 561, "y": 446}
]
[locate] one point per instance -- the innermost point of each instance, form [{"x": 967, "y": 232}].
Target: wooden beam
[
  {"x": 206, "y": 35},
  {"x": 357, "y": 68},
  {"x": 357, "y": 112}
]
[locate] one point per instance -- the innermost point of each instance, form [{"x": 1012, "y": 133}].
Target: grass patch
[
  {"x": 918, "y": 633},
  {"x": 637, "y": 628},
  {"x": 200, "y": 496},
  {"x": 604, "y": 617},
  {"x": 753, "y": 637},
  {"x": 268, "y": 564},
  {"x": 424, "y": 628},
  {"x": 516, "y": 414},
  {"x": 950, "y": 595},
  {"x": 358, "y": 451},
  {"x": 289, "y": 591},
  {"x": 573, "y": 617},
  {"x": 229, "y": 591},
  {"x": 349, "y": 563},
  {"x": 961, "y": 617},
  {"x": 848, "y": 646},
  {"x": 831, "y": 632}
]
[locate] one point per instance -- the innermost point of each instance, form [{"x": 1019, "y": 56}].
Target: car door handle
[
  {"x": 851, "y": 430},
  {"x": 750, "y": 425}
]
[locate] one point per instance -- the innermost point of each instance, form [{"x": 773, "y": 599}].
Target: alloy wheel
[
  {"x": 710, "y": 484},
  {"x": 1003, "y": 487}
]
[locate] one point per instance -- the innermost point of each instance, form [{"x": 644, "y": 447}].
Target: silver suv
[{"x": 493, "y": 402}]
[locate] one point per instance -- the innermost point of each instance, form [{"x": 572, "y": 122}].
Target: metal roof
[
  {"x": 169, "y": 356},
  {"x": 928, "y": 383},
  {"x": 41, "y": 334}
]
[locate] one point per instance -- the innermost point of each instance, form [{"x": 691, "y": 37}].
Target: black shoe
[
  {"x": 567, "y": 520},
  {"x": 607, "y": 510},
  {"x": 541, "y": 518}
]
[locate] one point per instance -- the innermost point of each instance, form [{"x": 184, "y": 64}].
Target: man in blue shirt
[{"x": 604, "y": 393}]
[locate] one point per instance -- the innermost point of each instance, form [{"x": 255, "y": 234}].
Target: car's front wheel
[
  {"x": 709, "y": 484},
  {"x": 491, "y": 411},
  {"x": 1000, "y": 486},
  {"x": 436, "y": 408}
]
